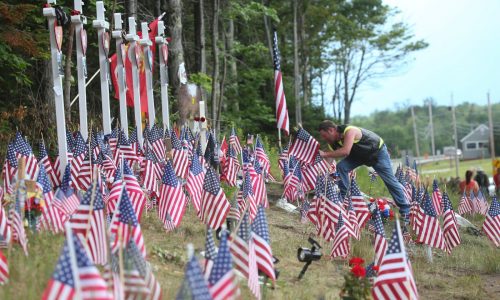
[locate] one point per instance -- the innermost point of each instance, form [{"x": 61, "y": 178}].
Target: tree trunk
[
  {"x": 233, "y": 71},
  {"x": 321, "y": 89},
  {"x": 175, "y": 45},
  {"x": 296, "y": 73},
  {"x": 157, "y": 8},
  {"x": 304, "y": 55},
  {"x": 132, "y": 9},
  {"x": 267, "y": 25},
  {"x": 215, "y": 54},
  {"x": 222, "y": 82},
  {"x": 67, "y": 73},
  {"x": 199, "y": 43}
]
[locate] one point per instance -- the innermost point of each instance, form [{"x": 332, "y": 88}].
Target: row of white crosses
[{"x": 132, "y": 38}]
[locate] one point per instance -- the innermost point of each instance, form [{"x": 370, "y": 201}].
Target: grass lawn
[
  {"x": 472, "y": 271},
  {"x": 445, "y": 170}
]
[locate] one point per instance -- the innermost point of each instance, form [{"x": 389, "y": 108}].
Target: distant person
[
  {"x": 482, "y": 179},
  {"x": 496, "y": 179},
  {"x": 360, "y": 146},
  {"x": 468, "y": 184}
]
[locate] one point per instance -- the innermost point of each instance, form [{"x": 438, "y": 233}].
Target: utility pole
[
  {"x": 492, "y": 136},
  {"x": 415, "y": 132},
  {"x": 431, "y": 124},
  {"x": 455, "y": 135}
]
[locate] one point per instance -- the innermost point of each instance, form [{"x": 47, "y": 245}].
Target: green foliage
[
  {"x": 252, "y": 10},
  {"x": 203, "y": 80}
]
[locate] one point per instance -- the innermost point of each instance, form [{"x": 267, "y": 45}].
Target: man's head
[{"x": 328, "y": 131}]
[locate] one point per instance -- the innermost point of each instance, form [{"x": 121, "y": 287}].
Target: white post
[
  {"x": 148, "y": 62},
  {"x": 50, "y": 14},
  {"x": 132, "y": 38},
  {"x": 120, "y": 69},
  {"x": 203, "y": 129},
  {"x": 163, "y": 53},
  {"x": 73, "y": 261},
  {"x": 81, "y": 48},
  {"x": 102, "y": 25}
]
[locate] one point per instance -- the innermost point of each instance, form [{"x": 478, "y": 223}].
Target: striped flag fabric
[
  {"x": 9, "y": 169},
  {"x": 279, "y": 89},
  {"x": 4, "y": 269},
  {"x": 44, "y": 159},
  {"x": 134, "y": 190},
  {"x": 194, "y": 183},
  {"x": 260, "y": 236},
  {"x": 436, "y": 197},
  {"x": 17, "y": 228},
  {"x": 231, "y": 167},
  {"x": 180, "y": 157},
  {"x": 246, "y": 198},
  {"x": 234, "y": 211},
  {"x": 353, "y": 219},
  {"x": 380, "y": 243},
  {"x": 305, "y": 147},
  {"x": 234, "y": 141},
  {"x": 430, "y": 232},
  {"x": 65, "y": 198},
  {"x": 395, "y": 276},
  {"x": 261, "y": 156},
  {"x": 491, "y": 225},
  {"x": 155, "y": 138},
  {"x": 194, "y": 285},
  {"x": 115, "y": 192},
  {"x": 253, "y": 270},
  {"x": 80, "y": 150},
  {"x": 134, "y": 142},
  {"x": 89, "y": 223},
  {"x": 358, "y": 202},
  {"x": 258, "y": 184},
  {"x": 84, "y": 176},
  {"x": 214, "y": 205},
  {"x": 283, "y": 161},
  {"x": 23, "y": 149},
  {"x": 293, "y": 181},
  {"x": 239, "y": 247},
  {"x": 52, "y": 217},
  {"x": 222, "y": 281},
  {"x": 62, "y": 285},
  {"x": 450, "y": 227},
  {"x": 482, "y": 203},
  {"x": 340, "y": 244},
  {"x": 134, "y": 257},
  {"x": 5, "y": 229},
  {"x": 172, "y": 198},
  {"x": 311, "y": 171},
  {"x": 210, "y": 252},
  {"x": 125, "y": 222},
  {"x": 149, "y": 175}
]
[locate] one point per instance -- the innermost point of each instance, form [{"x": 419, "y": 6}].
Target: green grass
[
  {"x": 472, "y": 271},
  {"x": 443, "y": 169}
]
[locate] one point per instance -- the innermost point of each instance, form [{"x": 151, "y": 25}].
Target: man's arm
[{"x": 344, "y": 150}]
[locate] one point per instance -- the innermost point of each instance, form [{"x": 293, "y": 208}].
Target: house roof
[{"x": 477, "y": 129}]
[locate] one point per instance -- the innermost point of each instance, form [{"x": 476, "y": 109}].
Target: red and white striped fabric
[
  {"x": 44, "y": 159},
  {"x": 437, "y": 198},
  {"x": 231, "y": 168},
  {"x": 450, "y": 228},
  {"x": 214, "y": 205},
  {"x": 279, "y": 90},
  {"x": 305, "y": 147},
  {"x": 253, "y": 270},
  {"x": 234, "y": 141},
  {"x": 261, "y": 156},
  {"x": 491, "y": 225},
  {"x": 5, "y": 230},
  {"x": 380, "y": 243},
  {"x": 134, "y": 191},
  {"x": 340, "y": 245},
  {"x": 359, "y": 205},
  {"x": 430, "y": 232},
  {"x": 172, "y": 198},
  {"x": 4, "y": 269},
  {"x": 240, "y": 249},
  {"x": 194, "y": 184},
  {"x": 18, "y": 233},
  {"x": 149, "y": 175}
]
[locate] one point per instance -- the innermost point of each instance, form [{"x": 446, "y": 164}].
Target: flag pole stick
[
  {"x": 73, "y": 261},
  {"x": 279, "y": 139},
  {"x": 92, "y": 198},
  {"x": 120, "y": 255}
]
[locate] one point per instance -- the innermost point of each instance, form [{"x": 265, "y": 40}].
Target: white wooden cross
[
  {"x": 120, "y": 70},
  {"x": 163, "y": 50},
  {"x": 133, "y": 38},
  {"x": 148, "y": 68}
]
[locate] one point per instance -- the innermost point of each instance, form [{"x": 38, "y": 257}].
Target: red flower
[
  {"x": 358, "y": 271},
  {"x": 202, "y": 119},
  {"x": 356, "y": 261},
  {"x": 75, "y": 12},
  {"x": 375, "y": 268},
  {"x": 196, "y": 119},
  {"x": 372, "y": 199},
  {"x": 391, "y": 214},
  {"x": 46, "y": 5}
]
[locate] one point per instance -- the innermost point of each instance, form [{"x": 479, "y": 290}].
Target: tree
[{"x": 366, "y": 45}]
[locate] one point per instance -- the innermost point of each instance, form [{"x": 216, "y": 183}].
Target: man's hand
[{"x": 324, "y": 154}]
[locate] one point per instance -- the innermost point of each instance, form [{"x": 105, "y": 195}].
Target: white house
[{"x": 476, "y": 144}]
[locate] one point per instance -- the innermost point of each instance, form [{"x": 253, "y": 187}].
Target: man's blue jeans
[{"x": 383, "y": 167}]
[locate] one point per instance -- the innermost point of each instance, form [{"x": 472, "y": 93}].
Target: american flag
[
  {"x": 134, "y": 142},
  {"x": 84, "y": 176},
  {"x": 380, "y": 243},
  {"x": 115, "y": 192},
  {"x": 80, "y": 150},
  {"x": 395, "y": 276},
  {"x": 17, "y": 226},
  {"x": 214, "y": 205},
  {"x": 194, "y": 184},
  {"x": 4, "y": 269},
  {"x": 89, "y": 223},
  {"x": 149, "y": 175},
  {"x": 9, "y": 169},
  {"x": 283, "y": 161},
  {"x": 261, "y": 156},
  {"x": 340, "y": 244},
  {"x": 491, "y": 225},
  {"x": 125, "y": 149},
  {"x": 65, "y": 198},
  {"x": 172, "y": 198},
  {"x": 353, "y": 219},
  {"x": 293, "y": 181},
  {"x": 5, "y": 229},
  {"x": 211, "y": 154},
  {"x": 235, "y": 141},
  {"x": 465, "y": 205},
  {"x": 134, "y": 190},
  {"x": 43, "y": 158},
  {"x": 359, "y": 204},
  {"x": 62, "y": 285},
  {"x": 23, "y": 149},
  {"x": 311, "y": 171},
  {"x": 279, "y": 90},
  {"x": 52, "y": 217},
  {"x": 239, "y": 247},
  {"x": 194, "y": 285},
  {"x": 180, "y": 156},
  {"x": 263, "y": 244},
  {"x": 407, "y": 188},
  {"x": 125, "y": 222},
  {"x": 247, "y": 198},
  {"x": 95, "y": 139},
  {"x": 258, "y": 184},
  {"x": 482, "y": 204},
  {"x": 134, "y": 257},
  {"x": 436, "y": 197},
  {"x": 113, "y": 139},
  {"x": 304, "y": 209},
  {"x": 305, "y": 147},
  {"x": 450, "y": 228},
  {"x": 234, "y": 211},
  {"x": 430, "y": 232},
  {"x": 253, "y": 269},
  {"x": 222, "y": 280},
  {"x": 210, "y": 252},
  {"x": 231, "y": 167}
]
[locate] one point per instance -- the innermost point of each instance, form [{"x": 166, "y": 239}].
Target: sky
[{"x": 463, "y": 56}]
